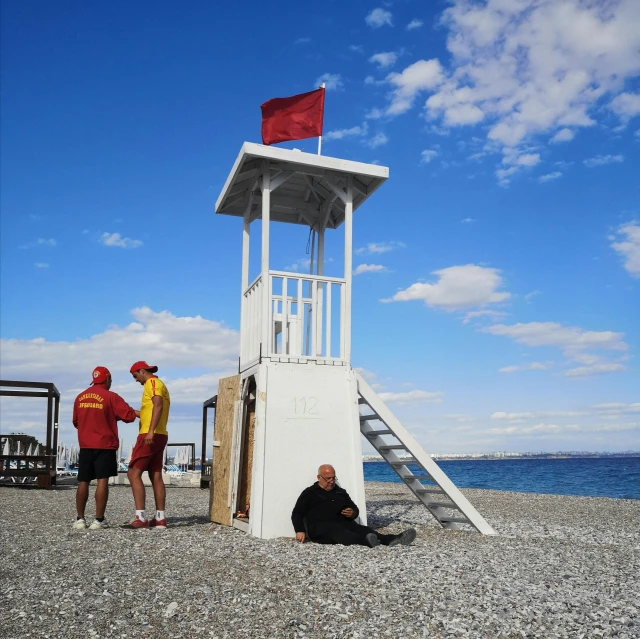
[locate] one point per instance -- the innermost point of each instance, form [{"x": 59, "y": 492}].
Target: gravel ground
[{"x": 559, "y": 567}]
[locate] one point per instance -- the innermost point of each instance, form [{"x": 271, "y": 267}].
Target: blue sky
[{"x": 505, "y": 245}]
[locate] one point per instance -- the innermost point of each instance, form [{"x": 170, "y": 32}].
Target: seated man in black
[{"x": 330, "y": 514}]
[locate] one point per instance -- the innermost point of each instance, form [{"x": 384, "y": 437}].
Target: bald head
[{"x": 327, "y": 477}]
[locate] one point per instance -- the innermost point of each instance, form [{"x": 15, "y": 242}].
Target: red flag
[{"x": 294, "y": 118}]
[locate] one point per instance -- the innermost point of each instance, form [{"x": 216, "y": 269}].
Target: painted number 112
[{"x": 304, "y": 408}]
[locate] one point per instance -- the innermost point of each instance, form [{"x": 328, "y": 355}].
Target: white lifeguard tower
[{"x": 296, "y": 402}]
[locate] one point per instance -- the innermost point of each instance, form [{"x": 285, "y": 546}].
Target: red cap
[
  {"x": 138, "y": 365},
  {"x": 100, "y": 374}
]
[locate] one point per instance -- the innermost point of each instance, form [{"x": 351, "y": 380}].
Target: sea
[{"x": 617, "y": 477}]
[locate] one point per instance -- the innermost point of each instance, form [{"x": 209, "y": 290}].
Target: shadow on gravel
[
  {"x": 379, "y": 520},
  {"x": 185, "y": 522}
]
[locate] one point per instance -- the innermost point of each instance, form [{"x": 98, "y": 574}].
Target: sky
[{"x": 496, "y": 284}]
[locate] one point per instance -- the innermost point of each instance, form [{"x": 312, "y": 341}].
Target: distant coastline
[{"x": 499, "y": 456}]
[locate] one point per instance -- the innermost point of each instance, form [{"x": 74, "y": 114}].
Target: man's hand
[
  {"x": 300, "y": 537},
  {"x": 348, "y": 513},
  {"x": 137, "y": 414},
  {"x": 149, "y": 438}
]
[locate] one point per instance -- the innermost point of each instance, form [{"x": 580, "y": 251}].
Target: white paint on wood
[{"x": 309, "y": 417}]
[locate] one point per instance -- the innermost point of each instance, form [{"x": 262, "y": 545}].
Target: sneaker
[
  {"x": 99, "y": 525},
  {"x": 372, "y": 540},
  {"x": 137, "y": 523},
  {"x": 79, "y": 524},
  {"x": 158, "y": 523},
  {"x": 404, "y": 538}
]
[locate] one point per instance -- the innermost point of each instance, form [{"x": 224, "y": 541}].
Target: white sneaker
[
  {"x": 99, "y": 525},
  {"x": 79, "y": 524}
]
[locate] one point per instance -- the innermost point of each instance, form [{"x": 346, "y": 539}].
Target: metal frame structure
[
  {"x": 205, "y": 468},
  {"x": 28, "y": 466}
]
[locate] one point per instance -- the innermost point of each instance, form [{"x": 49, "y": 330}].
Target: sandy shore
[{"x": 559, "y": 567}]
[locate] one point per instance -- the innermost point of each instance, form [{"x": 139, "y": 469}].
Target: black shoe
[
  {"x": 404, "y": 538},
  {"x": 372, "y": 540}
]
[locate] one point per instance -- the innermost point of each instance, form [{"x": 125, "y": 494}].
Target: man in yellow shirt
[{"x": 148, "y": 453}]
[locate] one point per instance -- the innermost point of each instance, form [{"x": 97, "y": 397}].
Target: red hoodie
[{"x": 96, "y": 412}]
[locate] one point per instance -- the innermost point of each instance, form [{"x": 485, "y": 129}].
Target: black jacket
[{"x": 319, "y": 505}]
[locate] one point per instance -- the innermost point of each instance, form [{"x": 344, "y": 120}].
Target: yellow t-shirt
[{"x": 152, "y": 387}]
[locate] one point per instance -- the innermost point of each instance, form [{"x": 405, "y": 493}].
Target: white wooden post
[
  {"x": 320, "y": 138},
  {"x": 348, "y": 267},
  {"x": 320, "y": 307},
  {"x": 246, "y": 227},
  {"x": 265, "y": 329}
]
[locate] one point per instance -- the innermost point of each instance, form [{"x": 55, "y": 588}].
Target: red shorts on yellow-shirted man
[{"x": 146, "y": 456}]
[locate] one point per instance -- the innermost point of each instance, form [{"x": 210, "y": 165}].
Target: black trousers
[{"x": 345, "y": 532}]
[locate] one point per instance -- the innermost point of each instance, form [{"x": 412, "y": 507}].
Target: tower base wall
[{"x": 306, "y": 415}]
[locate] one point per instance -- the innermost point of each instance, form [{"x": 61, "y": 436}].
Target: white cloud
[
  {"x": 428, "y": 155},
  {"x": 571, "y": 339},
  {"x": 468, "y": 220},
  {"x": 419, "y": 76},
  {"x": 178, "y": 345},
  {"x": 377, "y": 140},
  {"x": 115, "y": 239},
  {"x": 626, "y": 105},
  {"x": 629, "y": 248},
  {"x": 563, "y": 135},
  {"x": 379, "y": 247},
  {"x": 529, "y": 296},
  {"x": 414, "y": 24},
  {"x": 332, "y": 81},
  {"x": 378, "y": 18},
  {"x": 511, "y": 416},
  {"x": 357, "y": 48},
  {"x": 41, "y": 265},
  {"x": 301, "y": 264},
  {"x": 516, "y": 160},
  {"x": 384, "y": 60},
  {"x": 528, "y": 68},
  {"x": 369, "y": 268},
  {"x": 548, "y": 177},
  {"x": 458, "y": 287},
  {"x": 411, "y": 397},
  {"x": 594, "y": 369},
  {"x": 302, "y": 41},
  {"x": 601, "y": 160},
  {"x": 41, "y": 241},
  {"x": 493, "y": 316},
  {"x": 354, "y": 131},
  {"x": 530, "y": 366},
  {"x": 172, "y": 342}
]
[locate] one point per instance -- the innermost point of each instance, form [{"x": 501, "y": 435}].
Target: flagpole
[{"x": 320, "y": 138}]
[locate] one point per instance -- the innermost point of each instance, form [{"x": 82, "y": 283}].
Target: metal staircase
[{"x": 430, "y": 485}]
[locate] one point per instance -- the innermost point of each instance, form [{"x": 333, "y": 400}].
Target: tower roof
[{"x": 305, "y": 188}]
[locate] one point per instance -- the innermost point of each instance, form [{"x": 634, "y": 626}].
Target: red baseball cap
[
  {"x": 100, "y": 374},
  {"x": 139, "y": 365}
]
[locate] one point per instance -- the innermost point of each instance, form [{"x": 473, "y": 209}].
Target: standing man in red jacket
[{"x": 96, "y": 412}]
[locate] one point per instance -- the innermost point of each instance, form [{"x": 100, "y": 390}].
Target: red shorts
[{"x": 149, "y": 457}]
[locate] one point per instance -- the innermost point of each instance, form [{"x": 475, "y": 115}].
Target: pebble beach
[{"x": 559, "y": 567}]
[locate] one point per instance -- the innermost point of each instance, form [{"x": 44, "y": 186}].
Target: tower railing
[{"x": 306, "y": 319}]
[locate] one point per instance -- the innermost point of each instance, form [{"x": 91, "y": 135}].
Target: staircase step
[
  {"x": 387, "y": 447},
  {"x": 377, "y": 433},
  {"x": 454, "y": 520},
  {"x": 429, "y": 491},
  {"x": 362, "y": 400},
  {"x": 403, "y": 462},
  {"x": 366, "y": 418},
  {"x": 442, "y": 504},
  {"x": 417, "y": 478}
]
